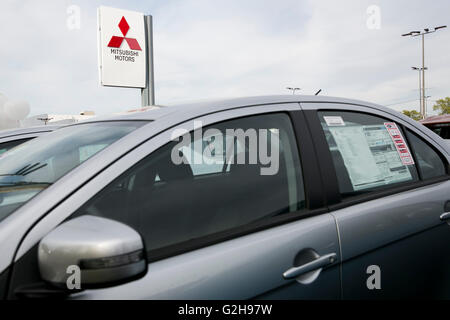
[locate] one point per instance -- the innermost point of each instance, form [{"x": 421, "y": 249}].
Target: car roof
[
  {"x": 436, "y": 119},
  {"x": 186, "y": 111},
  {"x": 209, "y": 106},
  {"x": 27, "y": 130}
]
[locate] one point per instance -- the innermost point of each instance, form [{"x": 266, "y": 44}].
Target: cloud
[{"x": 206, "y": 49}]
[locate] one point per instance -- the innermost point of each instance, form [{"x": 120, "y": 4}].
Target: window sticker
[
  {"x": 370, "y": 156},
  {"x": 334, "y": 121},
  {"x": 400, "y": 144}
]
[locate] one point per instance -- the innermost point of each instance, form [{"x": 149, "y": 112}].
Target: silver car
[{"x": 280, "y": 197}]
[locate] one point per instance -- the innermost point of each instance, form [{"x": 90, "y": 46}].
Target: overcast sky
[{"x": 215, "y": 49}]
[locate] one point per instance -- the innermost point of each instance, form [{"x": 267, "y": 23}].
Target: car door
[
  {"x": 393, "y": 188},
  {"x": 223, "y": 231}
]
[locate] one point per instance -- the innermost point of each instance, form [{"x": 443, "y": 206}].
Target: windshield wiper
[
  {"x": 16, "y": 179},
  {"x": 29, "y": 168},
  {"x": 23, "y": 169}
]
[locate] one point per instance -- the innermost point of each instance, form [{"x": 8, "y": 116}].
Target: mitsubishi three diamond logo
[{"x": 116, "y": 44}]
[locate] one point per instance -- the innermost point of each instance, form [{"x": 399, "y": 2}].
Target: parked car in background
[
  {"x": 358, "y": 188},
  {"x": 13, "y": 137},
  {"x": 439, "y": 124}
]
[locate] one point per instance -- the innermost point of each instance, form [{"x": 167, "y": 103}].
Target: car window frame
[
  {"x": 439, "y": 154},
  {"x": 333, "y": 195}
]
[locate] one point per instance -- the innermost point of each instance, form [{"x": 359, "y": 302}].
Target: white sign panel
[
  {"x": 122, "y": 48},
  {"x": 334, "y": 121}
]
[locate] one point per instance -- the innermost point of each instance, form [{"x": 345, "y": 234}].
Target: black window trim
[
  {"x": 315, "y": 201},
  {"x": 407, "y": 186},
  {"x": 411, "y": 146},
  {"x": 326, "y": 165},
  {"x": 413, "y": 153},
  {"x": 323, "y": 155}
]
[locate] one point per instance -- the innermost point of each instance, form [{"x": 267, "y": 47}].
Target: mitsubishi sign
[{"x": 122, "y": 48}]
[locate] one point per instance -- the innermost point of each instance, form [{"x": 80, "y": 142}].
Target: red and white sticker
[{"x": 400, "y": 143}]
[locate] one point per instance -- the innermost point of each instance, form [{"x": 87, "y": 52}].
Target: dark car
[{"x": 439, "y": 124}]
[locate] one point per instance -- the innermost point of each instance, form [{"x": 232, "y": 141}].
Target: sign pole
[{"x": 148, "y": 93}]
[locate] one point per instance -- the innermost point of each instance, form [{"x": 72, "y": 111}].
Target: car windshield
[{"x": 32, "y": 166}]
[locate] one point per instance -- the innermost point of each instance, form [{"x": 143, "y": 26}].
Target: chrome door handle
[
  {"x": 320, "y": 262},
  {"x": 445, "y": 216}
]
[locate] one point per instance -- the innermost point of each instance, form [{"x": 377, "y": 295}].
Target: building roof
[{"x": 436, "y": 119}]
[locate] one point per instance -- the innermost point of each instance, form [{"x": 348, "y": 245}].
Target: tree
[
  {"x": 443, "y": 105},
  {"x": 413, "y": 114}
]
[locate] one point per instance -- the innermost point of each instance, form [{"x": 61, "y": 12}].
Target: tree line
[{"x": 441, "y": 105}]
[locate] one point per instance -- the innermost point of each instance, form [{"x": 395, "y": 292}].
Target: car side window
[
  {"x": 199, "y": 185},
  {"x": 369, "y": 153},
  {"x": 429, "y": 162}
]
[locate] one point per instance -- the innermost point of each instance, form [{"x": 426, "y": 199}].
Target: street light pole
[
  {"x": 426, "y": 103},
  {"x": 148, "y": 93},
  {"x": 423, "y": 33},
  {"x": 423, "y": 77},
  {"x": 422, "y": 110}
]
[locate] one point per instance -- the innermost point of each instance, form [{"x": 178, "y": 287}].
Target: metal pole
[
  {"x": 423, "y": 107},
  {"x": 148, "y": 93},
  {"x": 420, "y": 91},
  {"x": 423, "y": 77}
]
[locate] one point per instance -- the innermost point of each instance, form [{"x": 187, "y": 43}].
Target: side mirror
[{"x": 106, "y": 252}]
